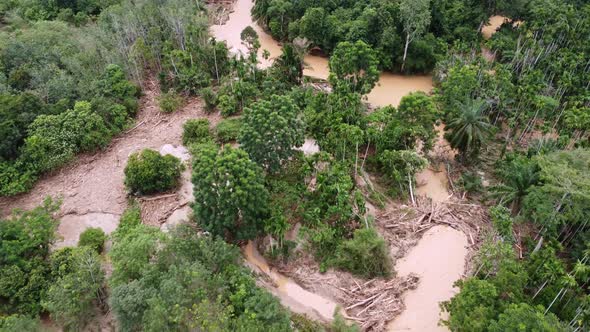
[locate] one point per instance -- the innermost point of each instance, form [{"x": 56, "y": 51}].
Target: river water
[
  {"x": 438, "y": 257},
  {"x": 439, "y": 260}
]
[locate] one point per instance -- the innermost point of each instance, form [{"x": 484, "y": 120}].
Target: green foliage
[
  {"x": 400, "y": 167},
  {"x": 70, "y": 299},
  {"x": 54, "y": 139},
  {"x": 471, "y": 183},
  {"x": 502, "y": 222},
  {"x": 149, "y": 172},
  {"x": 518, "y": 175},
  {"x": 469, "y": 130},
  {"x": 93, "y": 238},
  {"x": 474, "y": 308},
  {"x": 19, "y": 323},
  {"x": 196, "y": 131},
  {"x": 366, "y": 255},
  {"x": 228, "y": 130},
  {"x": 170, "y": 101},
  {"x": 380, "y": 24},
  {"x": 561, "y": 197},
  {"x": 332, "y": 212},
  {"x": 339, "y": 324},
  {"x": 523, "y": 317},
  {"x": 402, "y": 128},
  {"x": 230, "y": 198},
  {"x": 132, "y": 252},
  {"x": 25, "y": 238},
  {"x": 271, "y": 130},
  {"x": 415, "y": 16},
  {"x": 130, "y": 218},
  {"x": 353, "y": 68},
  {"x": 210, "y": 98},
  {"x": 187, "y": 281}
]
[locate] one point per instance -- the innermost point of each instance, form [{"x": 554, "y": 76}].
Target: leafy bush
[
  {"x": 153, "y": 270},
  {"x": 19, "y": 323},
  {"x": 129, "y": 220},
  {"x": 210, "y": 98},
  {"x": 228, "y": 130},
  {"x": 54, "y": 139},
  {"x": 25, "y": 238},
  {"x": 170, "y": 101},
  {"x": 196, "y": 131},
  {"x": 228, "y": 105},
  {"x": 366, "y": 254},
  {"x": 149, "y": 172},
  {"x": 93, "y": 238},
  {"x": 70, "y": 299}
]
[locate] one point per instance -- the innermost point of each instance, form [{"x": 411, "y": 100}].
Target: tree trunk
[
  {"x": 411, "y": 190},
  {"x": 406, "y": 50}
]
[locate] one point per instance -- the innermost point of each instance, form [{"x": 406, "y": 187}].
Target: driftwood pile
[
  {"x": 372, "y": 304},
  {"x": 405, "y": 225}
]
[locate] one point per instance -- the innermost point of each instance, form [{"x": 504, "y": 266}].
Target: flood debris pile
[
  {"x": 373, "y": 303},
  {"x": 405, "y": 225}
]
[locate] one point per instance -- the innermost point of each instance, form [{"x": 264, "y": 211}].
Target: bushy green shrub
[
  {"x": 228, "y": 130},
  {"x": 196, "y": 131},
  {"x": 71, "y": 298},
  {"x": 366, "y": 254},
  {"x": 129, "y": 219},
  {"x": 170, "y": 101},
  {"x": 228, "y": 105},
  {"x": 210, "y": 98},
  {"x": 93, "y": 238},
  {"x": 149, "y": 172},
  {"x": 19, "y": 323}
]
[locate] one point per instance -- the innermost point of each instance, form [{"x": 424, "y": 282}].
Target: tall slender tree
[{"x": 415, "y": 15}]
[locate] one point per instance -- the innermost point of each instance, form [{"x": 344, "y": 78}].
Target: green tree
[
  {"x": 25, "y": 238},
  {"x": 415, "y": 15},
  {"x": 473, "y": 308},
  {"x": 401, "y": 166},
  {"x": 70, "y": 300},
  {"x": 230, "y": 197},
  {"x": 518, "y": 176},
  {"x": 132, "y": 253},
  {"x": 149, "y": 172},
  {"x": 469, "y": 130},
  {"x": 354, "y": 68},
  {"x": 419, "y": 111},
  {"x": 524, "y": 318},
  {"x": 289, "y": 65},
  {"x": 271, "y": 131}
]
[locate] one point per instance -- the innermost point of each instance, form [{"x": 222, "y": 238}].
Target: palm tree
[
  {"x": 470, "y": 129},
  {"x": 290, "y": 63},
  {"x": 518, "y": 177}
]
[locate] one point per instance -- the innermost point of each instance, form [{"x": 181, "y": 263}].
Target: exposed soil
[{"x": 92, "y": 188}]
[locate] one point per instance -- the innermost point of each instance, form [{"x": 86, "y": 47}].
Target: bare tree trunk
[
  {"x": 411, "y": 189},
  {"x": 406, "y": 50}
]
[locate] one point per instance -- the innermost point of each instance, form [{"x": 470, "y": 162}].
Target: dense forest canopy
[{"x": 514, "y": 109}]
